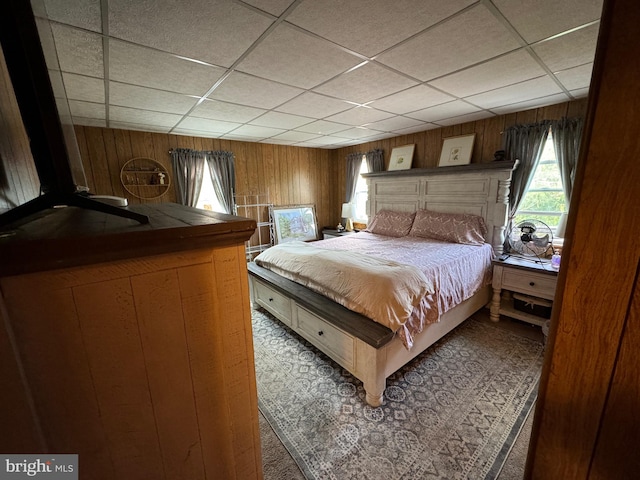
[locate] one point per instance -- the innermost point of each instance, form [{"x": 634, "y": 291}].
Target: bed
[{"x": 369, "y": 349}]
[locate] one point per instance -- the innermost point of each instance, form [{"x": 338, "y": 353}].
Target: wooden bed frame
[{"x": 365, "y": 348}]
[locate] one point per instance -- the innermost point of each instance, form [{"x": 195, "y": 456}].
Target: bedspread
[{"x": 382, "y": 289}]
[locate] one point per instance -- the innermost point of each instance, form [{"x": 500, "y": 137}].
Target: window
[
  {"x": 361, "y": 195},
  {"x": 544, "y": 200},
  {"x": 208, "y": 200}
]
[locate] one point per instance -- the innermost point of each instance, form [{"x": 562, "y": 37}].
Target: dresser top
[{"x": 71, "y": 236}]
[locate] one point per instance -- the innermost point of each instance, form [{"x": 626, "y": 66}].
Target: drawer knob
[
  {"x": 320, "y": 333},
  {"x": 271, "y": 299},
  {"x": 532, "y": 284}
]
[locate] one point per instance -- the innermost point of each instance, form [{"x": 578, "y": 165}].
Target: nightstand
[
  {"x": 522, "y": 276},
  {"x": 327, "y": 233}
]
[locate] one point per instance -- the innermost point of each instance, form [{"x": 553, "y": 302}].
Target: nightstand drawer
[{"x": 536, "y": 284}]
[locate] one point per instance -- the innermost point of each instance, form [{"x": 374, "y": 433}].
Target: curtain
[
  {"x": 354, "y": 162},
  {"x": 525, "y": 144},
  {"x": 567, "y": 133},
  {"x": 188, "y": 167},
  {"x": 223, "y": 175},
  {"x": 375, "y": 160}
]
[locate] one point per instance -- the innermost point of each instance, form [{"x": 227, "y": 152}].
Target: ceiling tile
[
  {"x": 230, "y": 112},
  {"x": 78, "y": 51},
  {"x": 412, "y": 99},
  {"x": 90, "y": 122},
  {"x": 206, "y": 125},
  {"x": 528, "y": 90},
  {"x": 323, "y": 127},
  {"x": 281, "y": 120},
  {"x": 274, "y": 7},
  {"x": 149, "y": 99},
  {"x": 575, "y": 48},
  {"x": 195, "y": 133},
  {"x": 580, "y": 92},
  {"x": 509, "y": 69},
  {"x": 79, "y": 13},
  {"x": 471, "y": 117},
  {"x": 79, "y": 87},
  {"x": 256, "y": 131},
  {"x": 538, "y": 19},
  {"x": 147, "y": 67},
  {"x": 366, "y": 83},
  {"x": 292, "y": 57},
  {"x": 327, "y": 140},
  {"x": 214, "y": 31},
  {"x": 464, "y": 40},
  {"x": 294, "y": 136},
  {"x": 253, "y": 91},
  {"x": 371, "y": 26},
  {"x": 359, "y": 116},
  {"x": 315, "y": 105},
  {"x": 420, "y": 128},
  {"x": 146, "y": 127},
  {"x": 142, "y": 117},
  {"x": 357, "y": 133},
  {"x": 445, "y": 110},
  {"x": 87, "y": 110},
  {"x": 394, "y": 123},
  {"x": 575, "y": 78},
  {"x": 538, "y": 102}
]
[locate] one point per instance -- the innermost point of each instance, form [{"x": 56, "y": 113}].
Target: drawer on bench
[
  {"x": 334, "y": 342},
  {"x": 273, "y": 301}
]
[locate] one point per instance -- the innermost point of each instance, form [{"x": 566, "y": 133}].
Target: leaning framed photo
[
  {"x": 294, "y": 222},
  {"x": 401, "y": 157},
  {"x": 457, "y": 150}
]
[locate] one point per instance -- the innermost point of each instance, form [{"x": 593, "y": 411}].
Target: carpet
[{"x": 452, "y": 413}]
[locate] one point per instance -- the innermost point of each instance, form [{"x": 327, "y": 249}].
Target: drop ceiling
[{"x": 313, "y": 73}]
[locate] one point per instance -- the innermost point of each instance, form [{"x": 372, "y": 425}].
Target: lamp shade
[
  {"x": 562, "y": 226},
  {"x": 348, "y": 210}
]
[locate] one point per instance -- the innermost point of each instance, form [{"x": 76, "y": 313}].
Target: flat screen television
[{"x": 47, "y": 123}]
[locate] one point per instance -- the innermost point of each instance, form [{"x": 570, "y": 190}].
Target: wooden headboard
[{"x": 480, "y": 189}]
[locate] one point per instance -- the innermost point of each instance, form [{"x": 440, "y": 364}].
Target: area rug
[{"x": 452, "y": 413}]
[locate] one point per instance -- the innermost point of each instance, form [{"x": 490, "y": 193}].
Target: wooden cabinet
[
  {"x": 521, "y": 276},
  {"x": 137, "y": 359}
]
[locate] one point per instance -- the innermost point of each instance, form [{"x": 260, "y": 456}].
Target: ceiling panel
[{"x": 310, "y": 73}]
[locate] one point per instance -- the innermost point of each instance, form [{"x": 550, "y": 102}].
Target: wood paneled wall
[
  {"x": 18, "y": 176},
  {"x": 290, "y": 175},
  {"x": 429, "y": 143}
]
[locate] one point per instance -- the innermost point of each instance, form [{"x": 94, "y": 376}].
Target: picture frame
[
  {"x": 457, "y": 150},
  {"x": 294, "y": 222},
  {"x": 402, "y": 157}
]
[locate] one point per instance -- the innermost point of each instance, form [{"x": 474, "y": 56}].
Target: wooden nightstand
[
  {"x": 327, "y": 233},
  {"x": 522, "y": 276}
]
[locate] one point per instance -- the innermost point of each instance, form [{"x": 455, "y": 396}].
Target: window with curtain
[
  {"x": 208, "y": 199},
  {"x": 544, "y": 199},
  {"x": 362, "y": 194}
]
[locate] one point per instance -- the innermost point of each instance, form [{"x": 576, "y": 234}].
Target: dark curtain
[
  {"x": 567, "y": 134},
  {"x": 223, "y": 175},
  {"x": 375, "y": 160},
  {"x": 354, "y": 162},
  {"x": 188, "y": 167},
  {"x": 525, "y": 144}
]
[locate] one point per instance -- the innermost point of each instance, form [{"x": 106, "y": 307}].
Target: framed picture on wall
[
  {"x": 401, "y": 157},
  {"x": 457, "y": 150},
  {"x": 294, "y": 222}
]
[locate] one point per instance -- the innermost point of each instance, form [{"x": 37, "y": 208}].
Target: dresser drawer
[
  {"x": 536, "y": 284},
  {"x": 333, "y": 341},
  {"x": 273, "y": 301}
]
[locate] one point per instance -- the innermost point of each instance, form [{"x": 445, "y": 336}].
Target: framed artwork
[
  {"x": 294, "y": 222},
  {"x": 401, "y": 157},
  {"x": 457, "y": 150}
]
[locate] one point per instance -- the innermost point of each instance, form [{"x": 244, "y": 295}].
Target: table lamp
[{"x": 347, "y": 213}]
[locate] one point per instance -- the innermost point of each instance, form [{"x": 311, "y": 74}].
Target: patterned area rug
[{"x": 452, "y": 413}]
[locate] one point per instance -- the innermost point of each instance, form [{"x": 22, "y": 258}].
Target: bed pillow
[
  {"x": 462, "y": 228},
  {"x": 391, "y": 224}
]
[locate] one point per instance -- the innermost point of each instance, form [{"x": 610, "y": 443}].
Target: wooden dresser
[{"x": 130, "y": 345}]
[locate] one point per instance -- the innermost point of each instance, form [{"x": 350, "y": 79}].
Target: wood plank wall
[
  {"x": 18, "y": 176},
  {"x": 289, "y": 175},
  {"x": 429, "y": 143}
]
